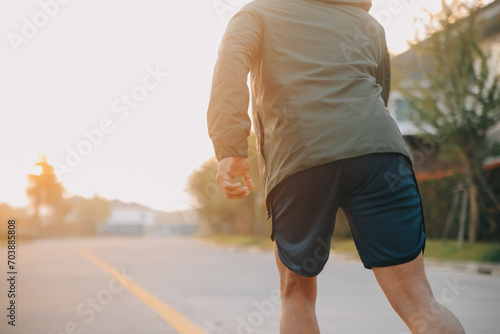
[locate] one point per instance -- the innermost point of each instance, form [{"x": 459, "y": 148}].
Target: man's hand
[{"x": 229, "y": 169}]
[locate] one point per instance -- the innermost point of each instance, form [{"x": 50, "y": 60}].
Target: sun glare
[{"x": 36, "y": 170}]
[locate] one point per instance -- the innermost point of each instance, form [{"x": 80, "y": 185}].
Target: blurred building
[
  {"x": 137, "y": 219},
  {"x": 128, "y": 218},
  {"x": 426, "y": 155}
]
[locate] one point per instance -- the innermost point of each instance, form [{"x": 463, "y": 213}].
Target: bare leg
[
  {"x": 410, "y": 294},
  {"x": 298, "y": 301}
]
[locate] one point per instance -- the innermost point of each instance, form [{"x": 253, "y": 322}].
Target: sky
[{"x": 115, "y": 92}]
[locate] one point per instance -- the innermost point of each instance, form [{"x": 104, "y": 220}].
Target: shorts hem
[
  {"x": 395, "y": 262},
  {"x": 313, "y": 274}
]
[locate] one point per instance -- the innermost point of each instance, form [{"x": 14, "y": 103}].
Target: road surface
[{"x": 135, "y": 285}]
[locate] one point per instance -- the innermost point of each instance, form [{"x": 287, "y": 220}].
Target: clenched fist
[{"x": 229, "y": 169}]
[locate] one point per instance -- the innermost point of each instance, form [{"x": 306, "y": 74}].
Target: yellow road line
[{"x": 179, "y": 322}]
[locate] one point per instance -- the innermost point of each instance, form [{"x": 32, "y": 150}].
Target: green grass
[
  {"x": 479, "y": 252},
  {"x": 345, "y": 246}
]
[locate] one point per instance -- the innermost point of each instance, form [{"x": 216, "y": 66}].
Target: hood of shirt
[{"x": 365, "y": 4}]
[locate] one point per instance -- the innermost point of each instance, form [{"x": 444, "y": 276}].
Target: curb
[{"x": 486, "y": 268}]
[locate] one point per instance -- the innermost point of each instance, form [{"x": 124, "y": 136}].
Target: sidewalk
[{"x": 484, "y": 268}]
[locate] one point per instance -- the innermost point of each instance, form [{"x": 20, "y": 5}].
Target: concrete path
[{"x": 182, "y": 285}]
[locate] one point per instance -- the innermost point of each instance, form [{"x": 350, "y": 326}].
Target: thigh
[
  {"x": 405, "y": 286},
  {"x": 385, "y": 211},
  {"x": 399, "y": 280}
]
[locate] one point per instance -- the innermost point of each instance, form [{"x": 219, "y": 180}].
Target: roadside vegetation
[{"x": 435, "y": 249}]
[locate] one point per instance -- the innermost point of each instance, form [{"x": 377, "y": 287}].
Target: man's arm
[
  {"x": 227, "y": 116},
  {"x": 384, "y": 72}
]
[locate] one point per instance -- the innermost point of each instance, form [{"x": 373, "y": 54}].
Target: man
[{"x": 320, "y": 78}]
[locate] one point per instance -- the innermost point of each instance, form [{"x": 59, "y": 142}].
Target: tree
[
  {"x": 455, "y": 96},
  {"x": 89, "y": 213},
  {"x": 44, "y": 190}
]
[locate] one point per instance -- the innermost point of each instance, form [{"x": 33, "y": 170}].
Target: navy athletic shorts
[{"x": 379, "y": 196}]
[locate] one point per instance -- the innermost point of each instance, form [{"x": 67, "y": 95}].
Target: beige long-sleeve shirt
[{"x": 320, "y": 80}]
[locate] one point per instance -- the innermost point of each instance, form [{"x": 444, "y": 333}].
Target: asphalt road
[{"x": 135, "y": 285}]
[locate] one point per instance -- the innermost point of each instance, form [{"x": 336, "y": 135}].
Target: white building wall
[{"x": 124, "y": 216}]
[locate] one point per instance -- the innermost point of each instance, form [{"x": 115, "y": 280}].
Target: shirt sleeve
[
  {"x": 384, "y": 72},
  {"x": 227, "y": 116}
]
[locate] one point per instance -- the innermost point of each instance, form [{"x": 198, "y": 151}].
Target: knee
[{"x": 298, "y": 287}]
